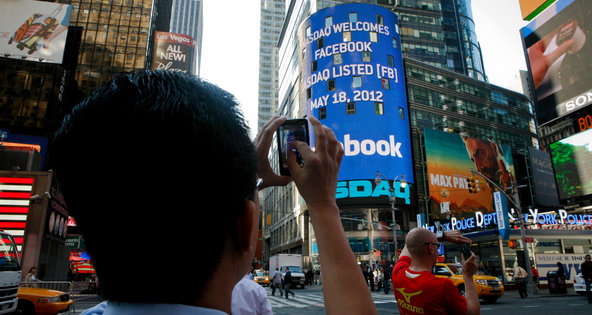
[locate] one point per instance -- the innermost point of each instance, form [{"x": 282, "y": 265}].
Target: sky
[{"x": 230, "y": 46}]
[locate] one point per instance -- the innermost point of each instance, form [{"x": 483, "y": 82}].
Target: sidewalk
[{"x": 543, "y": 293}]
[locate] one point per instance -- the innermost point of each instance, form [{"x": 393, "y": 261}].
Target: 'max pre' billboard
[{"x": 353, "y": 82}]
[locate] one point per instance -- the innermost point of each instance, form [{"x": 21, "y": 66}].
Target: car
[
  {"x": 489, "y": 288},
  {"x": 262, "y": 277},
  {"x": 40, "y": 301},
  {"x": 579, "y": 284}
]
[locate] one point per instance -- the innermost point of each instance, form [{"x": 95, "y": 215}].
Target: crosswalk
[{"x": 305, "y": 299}]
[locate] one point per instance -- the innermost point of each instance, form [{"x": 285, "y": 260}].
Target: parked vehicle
[
  {"x": 294, "y": 264},
  {"x": 10, "y": 273},
  {"x": 261, "y": 277},
  {"x": 39, "y": 301},
  {"x": 488, "y": 288},
  {"x": 579, "y": 284}
]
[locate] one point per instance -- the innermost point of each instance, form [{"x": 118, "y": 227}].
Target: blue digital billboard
[{"x": 352, "y": 80}]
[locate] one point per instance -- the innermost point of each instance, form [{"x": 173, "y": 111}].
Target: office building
[{"x": 272, "y": 20}]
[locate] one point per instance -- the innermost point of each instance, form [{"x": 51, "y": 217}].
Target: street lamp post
[
  {"x": 529, "y": 284},
  {"x": 392, "y": 200}
]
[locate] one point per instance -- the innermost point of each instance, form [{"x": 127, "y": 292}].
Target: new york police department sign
[{"x": 353, "y": 81}]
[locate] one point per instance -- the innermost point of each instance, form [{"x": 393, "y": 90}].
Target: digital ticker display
[{"x": 353, "y": 82}]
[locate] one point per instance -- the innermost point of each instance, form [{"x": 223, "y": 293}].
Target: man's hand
[
  {"x": 317, "y": 178},
  {"x": 455, "y": 236},
  {"x": 470, "y": 266},
  {"x": 262, "y": 144}
]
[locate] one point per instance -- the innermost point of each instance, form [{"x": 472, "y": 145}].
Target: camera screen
[{"x": 289, "y": 133}]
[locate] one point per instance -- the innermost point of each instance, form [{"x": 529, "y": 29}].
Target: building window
[
  {"x": 379, "y": 108},
  {"x": 390, "y": 61},
  {"x": 320, "y": 43},
  {"x": 347, "y": 36},
  {"x": 386, "y": 84},
  {"x": 337, "y": 60},
  {"x": 379, "y": 20},
  {"x": 322, "y": 113},
  {"x": 373, "y": 37},
  {"x": 357, "y": 82},
  {"x": 351, "y": 108},
  {"x": 331, "y": 85},
  {"x": 401, "y": 113},
  {"x": 395, "y": 45},
  {"x": 308, "y": 93},
  {"x": 353, "y": 17},
  {"x": 366, "y": 56},
  {"x": 328, "y": 21},
  {"x": 314, "y": 66}
]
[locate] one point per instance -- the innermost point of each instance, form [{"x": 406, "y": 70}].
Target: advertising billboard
[
  {"x": 450, "y": 158},
  {"x": 531, "y": 8},
  {"x": 558, "y": 47},
  {"x": 543, "y": 177},
  {"x": 173, "y": 52},
  {"x": 353, "y": 81},
  {"x": 572, "y": 160},
  {"x": 34, "y": 30}
]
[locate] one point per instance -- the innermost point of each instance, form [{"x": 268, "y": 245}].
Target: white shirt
[
  {"x": 249, "y": 298},
  {"x": 116, "y": 308}
]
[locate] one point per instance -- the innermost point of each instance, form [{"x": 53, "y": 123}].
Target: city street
[{"x": 310, "y": 301}]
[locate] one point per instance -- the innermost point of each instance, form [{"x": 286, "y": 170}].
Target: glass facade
[
  {"x": 443, "y": 100},
  {"x": 114, "y": 40},
  {"x": 29, "y": 96}
]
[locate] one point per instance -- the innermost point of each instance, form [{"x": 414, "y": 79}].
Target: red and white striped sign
[{"x": 15, "y": 196}]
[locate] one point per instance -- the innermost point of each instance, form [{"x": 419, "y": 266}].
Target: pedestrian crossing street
[{"x": 305, "y": 299}]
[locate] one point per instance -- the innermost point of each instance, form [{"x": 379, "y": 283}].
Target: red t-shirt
[{"x": 424, "y": 293}]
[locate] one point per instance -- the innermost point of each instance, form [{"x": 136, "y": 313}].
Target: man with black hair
[{"x": 157, "y": 168}]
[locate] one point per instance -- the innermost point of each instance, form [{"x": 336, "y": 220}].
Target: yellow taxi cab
[
  {"x": 261, "y": 276},
  {"x": 43, "y": 301},
  {"x": 488, "y": 288}
]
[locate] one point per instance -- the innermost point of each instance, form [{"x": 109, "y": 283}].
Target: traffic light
[
  {"x": 513, "y": 244},
  {"x": 471, "y": 184}
]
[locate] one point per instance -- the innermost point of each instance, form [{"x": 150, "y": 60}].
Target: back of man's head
[
  {"x": 155, "y": 167},
  {"x": 416, "y": 242}
]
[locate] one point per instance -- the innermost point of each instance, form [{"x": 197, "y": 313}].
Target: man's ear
[{"x": 246, "y": 228}]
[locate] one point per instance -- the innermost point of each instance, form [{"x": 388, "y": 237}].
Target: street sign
[{"x": 501, "y": 210}]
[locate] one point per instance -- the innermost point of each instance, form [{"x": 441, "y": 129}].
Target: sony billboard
[
  {"x": 558, "y": 47},
  {"x": 352, "y": 80}
]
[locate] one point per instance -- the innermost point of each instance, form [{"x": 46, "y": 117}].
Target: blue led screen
[{"x": 352, "y": 80}]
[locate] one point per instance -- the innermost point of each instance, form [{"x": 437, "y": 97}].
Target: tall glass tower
[
  {"x": 187, "y": 18},
  {"x": 272, "y": 20}
]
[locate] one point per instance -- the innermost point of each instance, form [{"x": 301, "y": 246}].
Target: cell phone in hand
[
  {"x": 288, "y": 132},
  {"x": 465, "y": 249}
]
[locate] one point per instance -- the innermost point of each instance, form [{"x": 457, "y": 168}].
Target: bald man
[{"x": 418, "y": 291}]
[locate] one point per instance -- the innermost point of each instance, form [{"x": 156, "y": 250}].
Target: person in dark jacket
[
  {"x": 587, "y": 275},
  {"x": 288, "y": 283}
]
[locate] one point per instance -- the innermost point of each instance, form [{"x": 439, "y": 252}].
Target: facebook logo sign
[{"x": 353, "y": 81}]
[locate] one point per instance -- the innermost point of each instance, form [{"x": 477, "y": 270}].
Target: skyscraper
[
  {"x": 272, "y": 20},
  {"x": 187, "y": 18}
]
